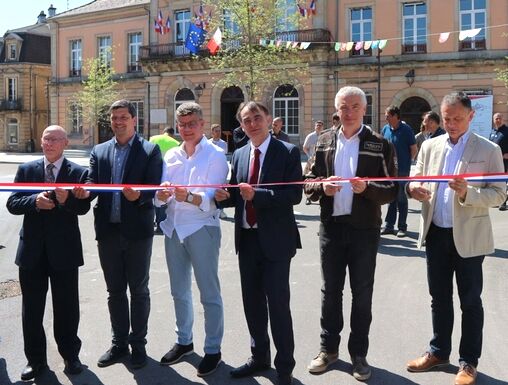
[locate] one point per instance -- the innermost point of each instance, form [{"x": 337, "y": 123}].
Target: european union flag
[{"x": 195, "y": 38}]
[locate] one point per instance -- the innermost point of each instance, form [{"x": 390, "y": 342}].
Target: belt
[{"x": 340, "y": 219}]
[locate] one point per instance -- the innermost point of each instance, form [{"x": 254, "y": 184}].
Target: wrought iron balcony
[
  {"x": 178, "y": 50},
  {"x": 10, "y": 105}
]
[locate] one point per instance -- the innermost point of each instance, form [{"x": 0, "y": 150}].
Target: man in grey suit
[
  {"x": 261, "y": 212},
  {"x": 50, "y": 250},
  {"x": 124, "y": 230},
  {"x": 456, "y": 228}
]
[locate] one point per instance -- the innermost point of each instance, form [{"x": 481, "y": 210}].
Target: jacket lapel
[
  {"x": 132, "y": 156},
  {"x": 468, "y": 153},
  {"x": 244, "y": 163},
  {"x": 64, "y": 172},
  {"x": 39, "y": 171},
  {"x": 267, "y": 161}
]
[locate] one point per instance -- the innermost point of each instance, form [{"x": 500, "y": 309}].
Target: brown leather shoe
[
  {"x": 466, "y": 375},
  {"x": 425, "y": 363}
]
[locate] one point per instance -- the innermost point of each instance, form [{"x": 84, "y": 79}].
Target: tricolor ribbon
[{"x": 34, "y": 187}]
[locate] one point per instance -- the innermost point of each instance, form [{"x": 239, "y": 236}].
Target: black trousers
[
  {"x": 65, "y": 297},
  {"x": 126, "y": 264},
  {"x": 265, "y": 293},
  {"x": 344, "y": 247}
]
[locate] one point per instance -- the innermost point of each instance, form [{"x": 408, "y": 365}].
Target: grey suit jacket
[{"x": 472, "y": 229}]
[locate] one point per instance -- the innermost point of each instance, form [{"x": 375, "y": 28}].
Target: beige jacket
[{"x": 472, "y": 229}]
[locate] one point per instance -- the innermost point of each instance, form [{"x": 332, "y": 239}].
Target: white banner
[{"x": 482, "y": 120}]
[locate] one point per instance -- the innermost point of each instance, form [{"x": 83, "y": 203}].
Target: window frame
[
  {"x": 11, "y": 92},
  {"x": 133, "y": 51},
  {"x": 10, "y": 123},
  {"x": 286, "y": 21},
  {"x": 291, "y": 122},
  {"x": 362, "y": 22},
  {"x": 415, "y": 46},
  {"x": 479, "y": 42},
  {"x": 13, "y": 51},
  {"x": 140, "y": 116},
  {"x": 104, "y": 51},
  {"x": 75, "y": 58}
]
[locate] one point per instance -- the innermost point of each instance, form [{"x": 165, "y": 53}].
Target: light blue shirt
[
  {"x": 120, "y": 156},
  {"x": 443, "y": 209}
]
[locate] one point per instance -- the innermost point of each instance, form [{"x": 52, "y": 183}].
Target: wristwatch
[{"x": 190, "y": 197}]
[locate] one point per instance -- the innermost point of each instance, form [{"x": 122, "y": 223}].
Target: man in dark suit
[
  {"x": 261, "y": 212},
  {"x": 124, "y": 230},
  {"x": 50, "y": 247}
]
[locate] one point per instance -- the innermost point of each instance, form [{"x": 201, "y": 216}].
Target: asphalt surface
[{"x": 400, "y": 329}]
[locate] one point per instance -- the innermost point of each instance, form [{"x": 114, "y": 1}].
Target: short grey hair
[
  {"x": 350, "y": 91},
  {"x": 189, "y": 108}
]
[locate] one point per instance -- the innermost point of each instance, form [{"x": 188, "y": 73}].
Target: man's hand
[
  {"x": 130, "y": 194},
  {"x": 416, "y": 191},
  {"x": 44, "y": 202},
  {"x": 181, "y": 194},
  {"x": 330, "y": 188},
  {"x": 358, "y": 186},
  {"x": 61, "y": 195},
  {"x": 164, "y": 195},
  {"x": 459, "y": 185},
  {"x": 80, "y": 193},
  {"x": 221, "y": 195},
  {"x": 247, "y": 191}
]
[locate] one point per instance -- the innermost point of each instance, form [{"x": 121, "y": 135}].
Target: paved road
[{"x": 400, "y": 329}]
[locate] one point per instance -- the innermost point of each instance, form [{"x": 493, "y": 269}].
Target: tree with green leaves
[
  {"x": 242, "y": 60},
  {"x": 98, "y": 91},
  {"x": 502, "y": 74}
]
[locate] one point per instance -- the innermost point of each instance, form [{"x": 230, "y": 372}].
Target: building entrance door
[
  {"x": 411, "y": 111},
  {"x": 230, "y": 100}
]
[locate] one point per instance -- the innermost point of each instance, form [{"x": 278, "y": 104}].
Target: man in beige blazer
[{"x": 457, "y": 232}]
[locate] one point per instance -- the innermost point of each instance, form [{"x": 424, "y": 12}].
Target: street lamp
[
  {"x": 410, "y": 77},
  {"x": 199, "y": 89}
]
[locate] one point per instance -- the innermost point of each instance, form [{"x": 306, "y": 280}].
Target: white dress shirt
[
  {"x": 346, "y": 163},
  {"x": 443, "y": 209},
  {"x": 208, "y": 165},
  {"x": 57, "y": 164}
]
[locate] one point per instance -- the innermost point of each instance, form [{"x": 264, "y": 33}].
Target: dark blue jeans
[
  {"x": 442, "y": 262},
  {"x": 344, "y": 247},
  {"x": 126, "y": 263},
  {"x": 400, "y": 204}
]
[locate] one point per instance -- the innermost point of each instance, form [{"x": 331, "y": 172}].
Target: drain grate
[{"x": 9, "y": 288}]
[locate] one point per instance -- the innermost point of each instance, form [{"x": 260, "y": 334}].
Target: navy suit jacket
[
  {"x": 276, "y": 222},
  {"x": 52, "y": 234},
  {"x": 143, "y": 166}
]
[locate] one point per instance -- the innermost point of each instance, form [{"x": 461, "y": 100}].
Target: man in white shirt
[
  {"x": 192, "y": 235},
  {"x": 310, "y": 141},
  {"x": 216, "y": 138}
]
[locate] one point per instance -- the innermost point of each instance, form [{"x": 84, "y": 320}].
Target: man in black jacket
[
  {"x": 350, "y": 222},
  {"x": 50, "y": 249}
]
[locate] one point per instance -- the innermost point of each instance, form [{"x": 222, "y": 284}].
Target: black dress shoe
[
  {"x": 73, "y": 366},
  {"x": 32, "y": 370},
  {"x": 249, "y": 368},
  {"x": 112, "y": 356},
  {"x": 285, "y": 379}
]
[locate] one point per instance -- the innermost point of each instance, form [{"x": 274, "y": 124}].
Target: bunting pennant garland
[
  {"x": 337, "y": 46},
  {"x": 443, "y": 37},
  {"x": 349, "y": 45},
  {"x": 375, "y": 44},
  {"x": 382, "y": 44},
  {"x": 367, "y": 44},
  {"x": 358, "y": 45},
  {"x": 304, "y": 45}
]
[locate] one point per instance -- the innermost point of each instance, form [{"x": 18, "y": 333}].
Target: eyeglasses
[{"x": 192, "y": 124}]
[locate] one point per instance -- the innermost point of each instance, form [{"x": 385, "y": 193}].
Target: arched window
[
  {"x": 12, "y": 131},
  {"x": 287, "y": 106},
  {"x": 183, "y": 95}
]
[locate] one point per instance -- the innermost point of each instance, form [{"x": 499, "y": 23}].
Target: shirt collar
[
  {"x": 57, "y": 163},
  {"x": 129, "y": 143},
  {"x": 462, "y": 140},
  {"x": 340, "y": 133},
  {"x": 263, "y": 147}
]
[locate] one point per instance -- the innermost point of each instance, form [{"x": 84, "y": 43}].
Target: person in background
[
  {"x": 403, "y": 138},
  {"x": 335, "y": 121},
  {"x": 50, "y": 249},
  {"x": 277, "y": 131},
  {"x": 421, "y": 137},
  {"x": 457, "y": 231},
  {"x": 165, "y": 141},
  {"x": 432, "y": 121},
  {"x": 171, "y": 132},
  {"x": 216, "y": 138},
  {"x": 310, "y": 140},
  {"x": 240, "y": 139},
  {"x": 499, "y": 135}
]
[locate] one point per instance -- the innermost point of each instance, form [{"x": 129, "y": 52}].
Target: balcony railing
[
  {"x": 178, "y": 50},
  {"x": 471, "y": 45},
  {"x": 414, "y": 48},
  {"x": 10, "y": 105}
]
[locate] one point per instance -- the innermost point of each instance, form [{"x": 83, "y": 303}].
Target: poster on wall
[{"x": 482, "y": 120}]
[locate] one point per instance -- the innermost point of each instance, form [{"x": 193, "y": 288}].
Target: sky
[{"x": 27, "y": 11}]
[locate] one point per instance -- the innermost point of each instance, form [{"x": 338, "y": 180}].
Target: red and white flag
[{"x": 215, "y": 42}]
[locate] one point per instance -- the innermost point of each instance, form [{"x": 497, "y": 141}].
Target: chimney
[
  {"x": 41, "y": 19},
  {"x": 51, "y": 11}
]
